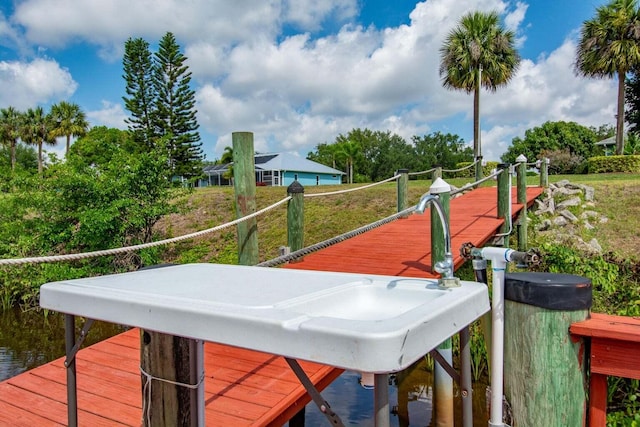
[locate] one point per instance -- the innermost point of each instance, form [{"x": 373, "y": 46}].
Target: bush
[
  {"x": 487, "y": 169},
  {"x": 563, "y": 162},
  {"x": 607, "y": 164}
]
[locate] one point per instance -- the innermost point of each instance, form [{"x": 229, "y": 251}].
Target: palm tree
[
  {"x": 36, "y": 129},
  {"x": 69, "y": 120},
  {"x": 227, "y": 159},
  {"x": 10, "y": 123},
  {"x": 479, "y": 52},
  {"x": 349, "y": 150},
  {"x": 610, "y": 47}
]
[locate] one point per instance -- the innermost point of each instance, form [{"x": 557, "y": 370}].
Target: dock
[{"x": 244, "y": 387}]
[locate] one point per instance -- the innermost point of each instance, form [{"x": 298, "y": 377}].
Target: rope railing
[
  {"x": 349, "y": 190},
  {"x": 478, "y": 182},
  {"x": 461, "y": 169},
  {"x": 332, "y": 241},
  {"x": 115, "y": 251},
  {"x": 421, "y": 172}
]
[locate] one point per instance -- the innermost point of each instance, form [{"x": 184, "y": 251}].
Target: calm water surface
[{"x": 30, "y": 339}]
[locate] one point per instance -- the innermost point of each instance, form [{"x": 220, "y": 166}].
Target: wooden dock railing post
[
  {"x": 443, "y": 400},
  {"x": 437, "y": 173},
  {"x": 295, "y": 216},
  {"x": 479, "y": 169},
  {"x": 522, "y": 199},
  {"x": 544, "y": 172},
  {"x": 403, "y": 189},
  {"x": 504, "y": 202},
  {"x": 245, "y": 190}
]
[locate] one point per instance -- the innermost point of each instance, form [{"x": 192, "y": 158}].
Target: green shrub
[{"x": 607, "y": 164}]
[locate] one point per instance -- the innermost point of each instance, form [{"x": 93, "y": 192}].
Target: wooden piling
[
  {"x": 544, "y": 172},
  {"x": 165, "y": 361},
  {"x": 522, "y": 199},
  {"x": 295, "y": 216},
  {"x": 504, "y": 201},
  {"x": 479, "y": 167},
  {"x": 403, "y": 189},
  {"x": 245, "y": 191},
  {"x": 544, "y": 367}
]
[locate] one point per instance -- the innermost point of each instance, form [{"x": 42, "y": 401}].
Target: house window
[
  {"x": 295, "y": 177},
  {"x": 317, "y": 180}
]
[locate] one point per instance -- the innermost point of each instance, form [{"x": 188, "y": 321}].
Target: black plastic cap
[
  {"x": 295, "y": 188},
  {"x": 553, "y": 291}
]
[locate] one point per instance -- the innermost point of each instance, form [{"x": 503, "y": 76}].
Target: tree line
[
  {"x": 36, "y": 127},
  {"x": 369, "y": 156}
]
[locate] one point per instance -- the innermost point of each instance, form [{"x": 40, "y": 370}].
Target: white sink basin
[
  {"x": 369, "y": 323},
  {"x": 366, "y": 299}
]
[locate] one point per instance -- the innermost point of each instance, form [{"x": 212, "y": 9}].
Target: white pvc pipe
[{"x": 499, "y": 258}]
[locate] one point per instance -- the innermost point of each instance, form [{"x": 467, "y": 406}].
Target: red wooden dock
[
  {"x": 614, "y": 350},
  {"x": 242, "y": 387}
]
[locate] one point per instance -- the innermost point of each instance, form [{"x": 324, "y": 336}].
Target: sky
[{"x": 298, "y": 73}]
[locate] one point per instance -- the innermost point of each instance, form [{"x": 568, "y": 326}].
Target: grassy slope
[{"x": 617, "y": 197}]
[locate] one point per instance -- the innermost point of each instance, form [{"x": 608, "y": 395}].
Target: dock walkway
[{"x": 242, "y": 387}]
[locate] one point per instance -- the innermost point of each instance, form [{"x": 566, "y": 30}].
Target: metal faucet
[{"x": 444, "y": 267}]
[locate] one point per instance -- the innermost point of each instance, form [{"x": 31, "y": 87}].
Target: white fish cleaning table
[{"x": 367, "y": 323}]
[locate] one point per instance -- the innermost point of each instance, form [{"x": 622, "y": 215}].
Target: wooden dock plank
[{"x": 242, "y": 387}]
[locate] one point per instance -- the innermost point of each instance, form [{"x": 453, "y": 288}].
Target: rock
[
  {"x": 565, "y": 191},
  {"x": 560, "y": 221},
  {"x": 604, "y": 220},
  {"x": 595, "y": 245},
  {"x": 562, "y": 183},
  {"x": 587, "y": 225},
  {"x": 544, "y": 225},
  {"x": 589, "y": 193},
  {"x": 589, "y": 214},
  {"x": 574, "y": 201},
  {"x": 568, "y": 215},
  {"x": 551, "y": 206},
  {"x": 541, "y": 207}
]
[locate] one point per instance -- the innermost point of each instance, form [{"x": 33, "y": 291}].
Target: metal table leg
[
  {"x": 466, "y": 386},
  {"x": 381, "y": 396},
  {"x": 70, "y": 341}
]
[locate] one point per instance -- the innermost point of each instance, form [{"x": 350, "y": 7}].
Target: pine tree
[
  {"x": 175, "y": 117},
  {"x": 632, "y": 100},
  {"x": 141, "y": 95}
]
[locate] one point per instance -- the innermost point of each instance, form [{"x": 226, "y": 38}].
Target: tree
[
  {"x": 141, "y": 92},
  {"x": 349, "y": 151},
  {"x": 440, "y": 149},
  {"x": 227, "y": 159},
  {"x": 479, "y": 52},
  {"x": 578, "y": 140},
  {"x": 36, "y": 130},
  {"x": 175, "y": 114},
  {"x": 68, "y": 120},
  {"x": 609, "y": 47},
  {"x": 99, "y": 146},
  {"x": 10, "y": 125}
]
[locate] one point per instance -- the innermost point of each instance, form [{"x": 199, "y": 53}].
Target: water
[{"x": 30, "y": 339}]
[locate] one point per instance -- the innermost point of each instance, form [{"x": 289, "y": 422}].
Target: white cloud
[
  {"x": 26, "y": 84},
  {"x": 110, "y": 115},
  {"x": 295, "y": 91}
]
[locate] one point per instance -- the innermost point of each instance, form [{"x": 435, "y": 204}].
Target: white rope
[
  {"x": 461, "y": 169},
  {"x": 146, "y": 391},
  {"x": 422, "y": 172},
  {"x": 472, "y": 184},
  {"x": 331, "y": 193},
  {"x": 115, "y": 251}
]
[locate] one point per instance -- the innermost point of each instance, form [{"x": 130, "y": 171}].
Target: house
[{"x": 279, "y": 169}]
